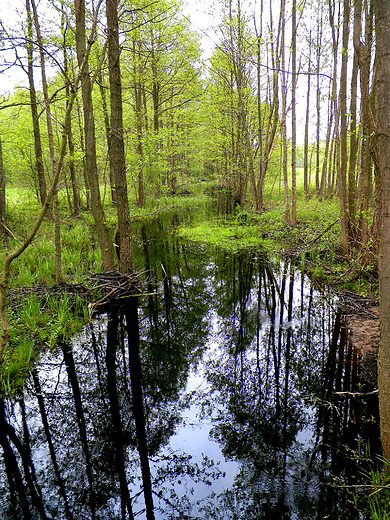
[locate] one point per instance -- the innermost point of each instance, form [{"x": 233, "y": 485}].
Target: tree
[
  {"x": 72, "y": 167},
  {"x": 382, "y": 157},
  {"x": 2, "y": 194},
  {"x": 116, "y": 143},
  {"x": 343, "y": 132},
  {"x": 90, "y": 142},
  {"x": 34, "y": 108},
  {"x": 282, "y": 25},
  {"x": 293, "y": 115},
  {"x": 57, "y": 234},
  {"x": 11, "y": 256}
]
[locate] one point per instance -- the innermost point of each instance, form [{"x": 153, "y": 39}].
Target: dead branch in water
[{"x": 115, "y": 286}]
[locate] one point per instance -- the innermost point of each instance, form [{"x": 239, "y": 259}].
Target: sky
[{"x": 12, "y": 13}]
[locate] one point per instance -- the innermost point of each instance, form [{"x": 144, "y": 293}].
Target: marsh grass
[
  {"x": 268, "y": 230},
  {"x": 38, "y": 325},
  {"x": 378, "y": 498}
]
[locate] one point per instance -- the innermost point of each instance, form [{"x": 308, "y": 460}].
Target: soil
[{"x": 364, "y": 334}]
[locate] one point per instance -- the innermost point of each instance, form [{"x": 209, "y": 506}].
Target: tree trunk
[
  {"x": 367, "y": 124},
  {"x": 382, "y": 158},
  {"x": 284, "y": 114},
  {"x": 107, "y": 128},
  {"x": 306, "y": 185},
  {"x": 139, "y": 120},
  {"x": 2, "y": 195},
  {"x": 117, "y": 147},
  {"x": 34, "y": 111},
  {"x": 90, "y": 144},
  {"x": 10, "y": 257},
  {"x": 293, "y": 115},
  {"x": 342, "y": 178},
  {"x": 57, "y": 230},
  {"x": 72, "y": 169}
]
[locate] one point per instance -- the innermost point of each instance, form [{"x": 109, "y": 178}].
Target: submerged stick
[{"x": 356, "y": 394}]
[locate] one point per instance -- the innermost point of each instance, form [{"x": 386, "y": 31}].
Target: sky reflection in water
[{"x": 239, "y": 361}]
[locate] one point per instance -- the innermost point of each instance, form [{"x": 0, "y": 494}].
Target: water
[{"x": 224, "y": 392}]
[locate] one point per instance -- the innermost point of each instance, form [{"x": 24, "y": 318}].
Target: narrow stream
[{"x": 210, "y": 397}]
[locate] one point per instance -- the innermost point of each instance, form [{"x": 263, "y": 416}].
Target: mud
[{"x": 364, "y": 334}]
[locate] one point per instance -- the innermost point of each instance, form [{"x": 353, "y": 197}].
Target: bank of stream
[{"x": 230, "y": 390}]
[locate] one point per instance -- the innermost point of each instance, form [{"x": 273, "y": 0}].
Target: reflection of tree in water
[
  {"x": 91, "y": 433},
  {"x": 273, "y": 362},
  {"x": 97, "y": 410}
]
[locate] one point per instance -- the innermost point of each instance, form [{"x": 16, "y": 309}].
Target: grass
[
  {"x": 314, "y": 243},
  {"x": 36, "y": 326},
  {"x": 376, "y": 501}
]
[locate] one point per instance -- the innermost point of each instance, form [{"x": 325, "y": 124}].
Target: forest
[{"x": 114, "y": 111}]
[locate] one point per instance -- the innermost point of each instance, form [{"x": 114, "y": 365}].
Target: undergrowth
[
  {"x": 314, "y": 243},
  {"x": 38, "y": 325}
]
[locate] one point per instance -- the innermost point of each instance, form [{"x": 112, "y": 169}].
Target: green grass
[{"x": 37, "y": 325}]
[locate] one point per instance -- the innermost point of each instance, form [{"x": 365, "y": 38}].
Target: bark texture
[
  {"x": 116, "y": 143},
  {"x": 382, "y": 155},
  {"x": 90, "y": 143}
]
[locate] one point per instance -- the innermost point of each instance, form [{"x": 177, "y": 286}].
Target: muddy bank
[{"x": 362, "y": 320}]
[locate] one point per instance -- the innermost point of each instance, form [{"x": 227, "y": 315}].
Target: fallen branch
[
  {"x": 315, "y": 239},
  {"x": 356, "y": 394},
  {"x": 115, "y": 286}
]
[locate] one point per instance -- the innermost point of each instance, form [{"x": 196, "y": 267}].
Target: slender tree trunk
[
  {"x": 306, "y": 185},
  {"x": 57, "y": 227},
  {"x": 334, "y": 145},
  {"x": 72, "y": 169},
  {"x": 90, "y": 144},
  {"x": 353, "y": 150},
  {"x": 139, "y": 120},
  {"x": 117, "y": 147},
  {"x": 327, "y": 157},
  {"x": 293, "y": 115},
  {"x": 343, "y": 132},
  {"x": 3, "y": 219},
  {"x": 34, "y": 110},
  {"x": 111, "y": 177},
  {"x": 363, "y": 52},
  {"x": 82, "y": 148},
  {"x": 284, "y": 112},
  {"x": 318, "y": 98}
]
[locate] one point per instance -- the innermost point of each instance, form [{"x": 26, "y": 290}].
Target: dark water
[{"x": 212, "y": 397}]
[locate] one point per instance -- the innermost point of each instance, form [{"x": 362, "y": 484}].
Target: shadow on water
[{"x": 212, "y": 397}]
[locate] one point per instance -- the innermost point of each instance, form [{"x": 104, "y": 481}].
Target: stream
[{"x": 211, "y": 396}]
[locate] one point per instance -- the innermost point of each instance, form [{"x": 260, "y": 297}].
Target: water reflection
[{"x": 213, "y": 397}]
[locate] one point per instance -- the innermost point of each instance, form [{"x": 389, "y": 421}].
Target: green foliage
[
  {"x": 35, "y": 325},
  {"x": 15, "y": 366},
  {"x": 379, "y": 499}
]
